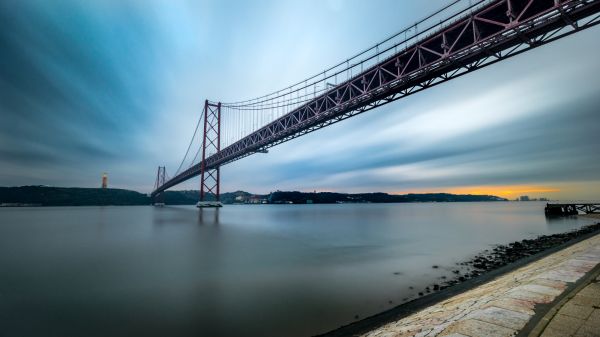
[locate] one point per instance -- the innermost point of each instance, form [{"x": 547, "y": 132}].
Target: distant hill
[
  {"x": 330, "y": 197},
  {"x": 68, "y": 196}
]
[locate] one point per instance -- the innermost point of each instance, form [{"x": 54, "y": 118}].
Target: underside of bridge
[{"x": 472, "y": 38}]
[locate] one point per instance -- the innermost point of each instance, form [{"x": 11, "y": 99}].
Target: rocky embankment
[{"x": 506, "y": 254}]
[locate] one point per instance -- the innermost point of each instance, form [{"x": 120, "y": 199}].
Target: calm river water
[{"x": 264, "y": 270}]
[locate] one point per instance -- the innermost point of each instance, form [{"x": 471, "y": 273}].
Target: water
[{"x": 256, "y": 270}]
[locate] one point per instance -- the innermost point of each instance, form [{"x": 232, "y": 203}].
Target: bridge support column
[
  {"x": 210, "y": 177},
  {"x": 159, "y": 199}
]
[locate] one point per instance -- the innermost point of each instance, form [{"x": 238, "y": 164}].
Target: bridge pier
[{"x": 209, "y": 204}]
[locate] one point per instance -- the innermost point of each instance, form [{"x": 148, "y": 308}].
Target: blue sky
[{"x": 117, "y": 86}]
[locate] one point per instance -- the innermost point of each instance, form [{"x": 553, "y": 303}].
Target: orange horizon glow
[{"x": 504, "y": 191}]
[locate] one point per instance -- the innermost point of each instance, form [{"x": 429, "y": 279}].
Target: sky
[{"x": 88, "y": 87}]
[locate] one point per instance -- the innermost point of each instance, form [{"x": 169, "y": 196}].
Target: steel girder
[{"x": 500, "y": 30}]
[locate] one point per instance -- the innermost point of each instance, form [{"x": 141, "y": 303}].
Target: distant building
[
  {"x": 255, "y": 199},
  {"x": 104, "y": 180},
  {"x": 524, "y": 198}
]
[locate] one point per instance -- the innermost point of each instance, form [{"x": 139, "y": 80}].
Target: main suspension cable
[
  {"x": 346, "y": 65},
  {"x": 191, "y": 142}
]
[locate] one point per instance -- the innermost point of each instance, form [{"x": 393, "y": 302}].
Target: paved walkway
[
  {"x": 579, "y": 316},
  {"x": 503, "y": 306}
]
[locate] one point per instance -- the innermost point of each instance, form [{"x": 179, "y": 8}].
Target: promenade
[{"x": 553, "y": 296}]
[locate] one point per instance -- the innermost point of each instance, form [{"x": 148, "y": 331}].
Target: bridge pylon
[
  {"x": 211, "y": 144},
  {"x": 159, "y": 199}
]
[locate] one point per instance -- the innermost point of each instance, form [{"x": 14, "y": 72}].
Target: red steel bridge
[{"x": 464, "y": 38}]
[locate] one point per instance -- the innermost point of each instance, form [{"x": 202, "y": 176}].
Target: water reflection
[
  {"x": 208, "y": 216},
  {"x": 560, "y": 220},
  {"x": 268, "y": 270},
  {"x": 168, "y": 215}
]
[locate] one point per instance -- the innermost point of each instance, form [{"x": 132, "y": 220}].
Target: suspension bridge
[{"x": 453, "y": 41}]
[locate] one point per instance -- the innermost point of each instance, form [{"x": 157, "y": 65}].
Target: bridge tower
[
  {"x": 159, "y": 199},
  {"x": 211, "y": 144}
]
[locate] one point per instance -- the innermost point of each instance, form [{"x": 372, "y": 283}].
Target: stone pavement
[
  {"x": 579, "y": 316},
  {"x": 503, "y": 306}
]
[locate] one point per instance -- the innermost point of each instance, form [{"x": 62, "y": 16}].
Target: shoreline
[
  {"x": 85, "y": 196},
  {"x": 491, "y": 264},
  {"x": 24, "y": 205},
  {"x": 38, "y": 205}
]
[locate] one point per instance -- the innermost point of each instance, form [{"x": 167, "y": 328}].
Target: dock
[{"x": 571, "y": 209}]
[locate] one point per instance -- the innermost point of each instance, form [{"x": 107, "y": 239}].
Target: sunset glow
[
  {"x": 505, "y": 191},
  {"x": 509, "y": 191}
]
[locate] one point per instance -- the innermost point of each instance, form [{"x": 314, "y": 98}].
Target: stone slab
[
  {"x": 595, "y": 318},
  {"x": 589, "y": 257},
  {"x": 577, "y": 265},
  {"x": 577, "y": 311},
  {"x": 551, "y": 332},
  {"x": 476, "y": 328},
  {"x": 560, "y": 285},
  {"x": 593, "y": 290},
  {"x": 562, "y": 275},
  {"x": 566, "y": 324},
  {"x": 588, "y": 331},
  {"x": 507, "y": 318},
  {"x": 523, "y": 294},
  {"x": 522, "y": 306},
  {"x": 586, "y": 300},
  {"x": 536, "y": 288}
]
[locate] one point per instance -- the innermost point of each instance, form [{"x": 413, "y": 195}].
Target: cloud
[
  {"x": 76, "y": 88},
  {"x": 117, "y": 86}
]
